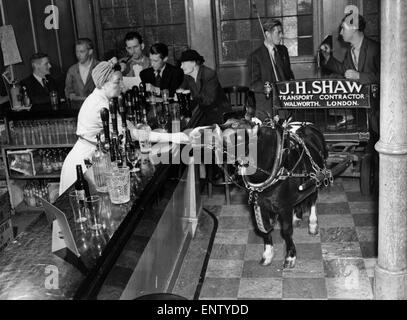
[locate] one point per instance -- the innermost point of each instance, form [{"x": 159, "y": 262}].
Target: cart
[{"x": 342, "y": 110}]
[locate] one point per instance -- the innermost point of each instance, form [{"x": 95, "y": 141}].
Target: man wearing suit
[
  {"x": 39, "y": 84},
  {"x": 361, "y": 63},
  {"x": 362, "y": 59},
  {"x": 79, "y": 83},
  {"x": 268, "y": 63},
  {"x": 162, "y": 74}
]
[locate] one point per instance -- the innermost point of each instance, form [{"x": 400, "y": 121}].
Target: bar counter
[{"x": 30, "y": 270}]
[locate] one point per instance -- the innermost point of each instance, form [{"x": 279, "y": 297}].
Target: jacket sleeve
[
  {"x": 254, "y": 69},
  {"x": 335, "y": 66},
  {"x": 177, "y": 80},
  {"x": 209, "y": 89},
  {"x": 373, "y": 76},
  {"x": 290, "y": 71}
]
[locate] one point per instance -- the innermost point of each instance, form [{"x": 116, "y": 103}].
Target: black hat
[{"x": 191, "y": 55}]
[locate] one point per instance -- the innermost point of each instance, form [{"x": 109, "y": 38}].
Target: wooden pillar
[{"x": 391, "y": 267}]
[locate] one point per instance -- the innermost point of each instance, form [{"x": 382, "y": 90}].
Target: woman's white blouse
[{"x": 89, "y": 121}]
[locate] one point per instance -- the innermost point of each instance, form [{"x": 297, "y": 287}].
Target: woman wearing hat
[
  {"x": 205, "y": 88},
  {"x": 107, "y": 81}
]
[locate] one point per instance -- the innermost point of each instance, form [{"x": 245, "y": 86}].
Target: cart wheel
[{"x": 366, "y": 175}]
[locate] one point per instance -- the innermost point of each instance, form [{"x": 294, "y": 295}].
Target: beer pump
[
  {"x": 113, "y": 114},
  {"x": 104, "y": 115}
]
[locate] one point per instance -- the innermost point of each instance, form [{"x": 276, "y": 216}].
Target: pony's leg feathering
[{"x": 313, "y": 221}]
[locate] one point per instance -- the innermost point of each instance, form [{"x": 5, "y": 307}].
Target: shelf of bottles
[
  {"x": 33, "y": 191},
  {"x": 36, "y": 163},
  {"x": 40, "y": 133}
]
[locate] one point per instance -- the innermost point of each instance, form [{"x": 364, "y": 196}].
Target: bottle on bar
[
  {"x": 119, "y": 154},
  {"x": 26, "y": 98},
  {"x": 188, "y": 107},
  {"x": 136, "y": 106},
  {"x": 180, "y": 97},
  {"x": 143, "y": 93},
  {"x": 81, "y": 186},
  {"x": 122, "y": 110},
  {"x": 104, "y": 115},
  {"x": 128, "y": 148},
  {"x": 130, "y": 114},
  {"x": 100, "y": 164},
  {"x": 175, "y": 116}
]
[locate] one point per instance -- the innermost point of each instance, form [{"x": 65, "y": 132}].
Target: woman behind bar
[
  {"x": 205, "y": 88},
  {"x": 107, "y": 81}
]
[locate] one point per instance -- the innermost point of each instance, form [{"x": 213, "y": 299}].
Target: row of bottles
[
  {"x": 158, "y": 111},
  {"x": 51, "y": 160},
  {"x": 33, "y": 190},
  {"x": 34, "y": 132}
]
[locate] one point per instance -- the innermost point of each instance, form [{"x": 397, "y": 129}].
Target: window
[
  {"x": 157, "y": 21},
  {"x": 239, "y": 31}
]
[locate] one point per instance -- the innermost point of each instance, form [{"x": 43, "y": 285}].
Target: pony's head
[{"x": 255, "y": 146}]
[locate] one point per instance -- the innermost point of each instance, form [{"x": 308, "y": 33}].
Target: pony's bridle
[
  {"x": 321, "y": 176},
  {"x": 277, "y": 170}
]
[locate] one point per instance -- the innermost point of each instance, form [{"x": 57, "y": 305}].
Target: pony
[{"x": 283, "y": 182}]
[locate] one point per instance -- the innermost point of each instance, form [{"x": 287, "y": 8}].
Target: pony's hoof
[
  {"x": 265, "y": 262},
  {"x": 289, "y": 262},
  {"x": 313, "y": 231}
]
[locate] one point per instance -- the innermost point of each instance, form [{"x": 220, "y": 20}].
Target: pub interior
[{"x": 105, "y": 192}]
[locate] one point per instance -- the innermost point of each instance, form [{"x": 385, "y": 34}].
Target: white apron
[{"x": 81, "y": 150}]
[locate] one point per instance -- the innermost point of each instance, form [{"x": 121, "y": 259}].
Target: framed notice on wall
[{"x": 9, "y": 48}]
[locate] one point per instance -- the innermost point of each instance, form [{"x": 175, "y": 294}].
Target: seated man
[
  {"x": 162, "y": 74},
  {"x": 135, "y": 60},
  {"x": 39, "y": 84},
  {"x": 79, "y": 83}
]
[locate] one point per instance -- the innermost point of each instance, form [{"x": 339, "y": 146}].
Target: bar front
[{"x": 150, "y": 233}]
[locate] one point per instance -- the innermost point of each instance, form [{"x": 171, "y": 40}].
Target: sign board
[
  {"x": 11, "y": 55},
  {"x": 323, "y": 93},
  {"x": 63, "y": 226}
]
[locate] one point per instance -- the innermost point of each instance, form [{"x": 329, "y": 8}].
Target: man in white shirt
[{"x": 79, "y": 83}]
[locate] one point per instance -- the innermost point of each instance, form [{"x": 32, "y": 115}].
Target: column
[{"x": 391, "y": 267}]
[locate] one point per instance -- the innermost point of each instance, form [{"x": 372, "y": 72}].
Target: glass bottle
[
  {"x": 25, "y": 98},
  {"x": 100, "y": 164}
]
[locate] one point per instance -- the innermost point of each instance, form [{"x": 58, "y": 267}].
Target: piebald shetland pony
[{"x": 288, "y": 156}]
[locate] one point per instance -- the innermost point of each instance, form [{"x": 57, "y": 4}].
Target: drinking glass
[
  {"x": 93, "y": 206},
  {"x": 144, "y": 139},
  {"x": 133, "y": 156},
  {"x": 162, "y": 120},
  {"x": 78, "y": 208},
  {"x": 118, "y": 185},
  {"x": 165, "y": 95}
]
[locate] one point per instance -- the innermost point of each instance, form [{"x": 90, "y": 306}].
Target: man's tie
[
  {"x": 158, "y": 80},
  {"x": 355, "y": 58},
  {"x": 45, "y": 83},
  {"x": 279, "y": 65}
]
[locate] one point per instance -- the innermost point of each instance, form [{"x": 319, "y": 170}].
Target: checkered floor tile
[{"x": 337, "y": 263}]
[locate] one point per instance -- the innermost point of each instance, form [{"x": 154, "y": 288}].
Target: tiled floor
[{"x": 338, "y": 263}]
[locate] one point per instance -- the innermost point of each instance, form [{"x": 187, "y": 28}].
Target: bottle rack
[{"x": 43, "y": 142}]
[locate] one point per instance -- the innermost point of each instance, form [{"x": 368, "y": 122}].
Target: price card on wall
[{"x": 11, "y": 54}]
